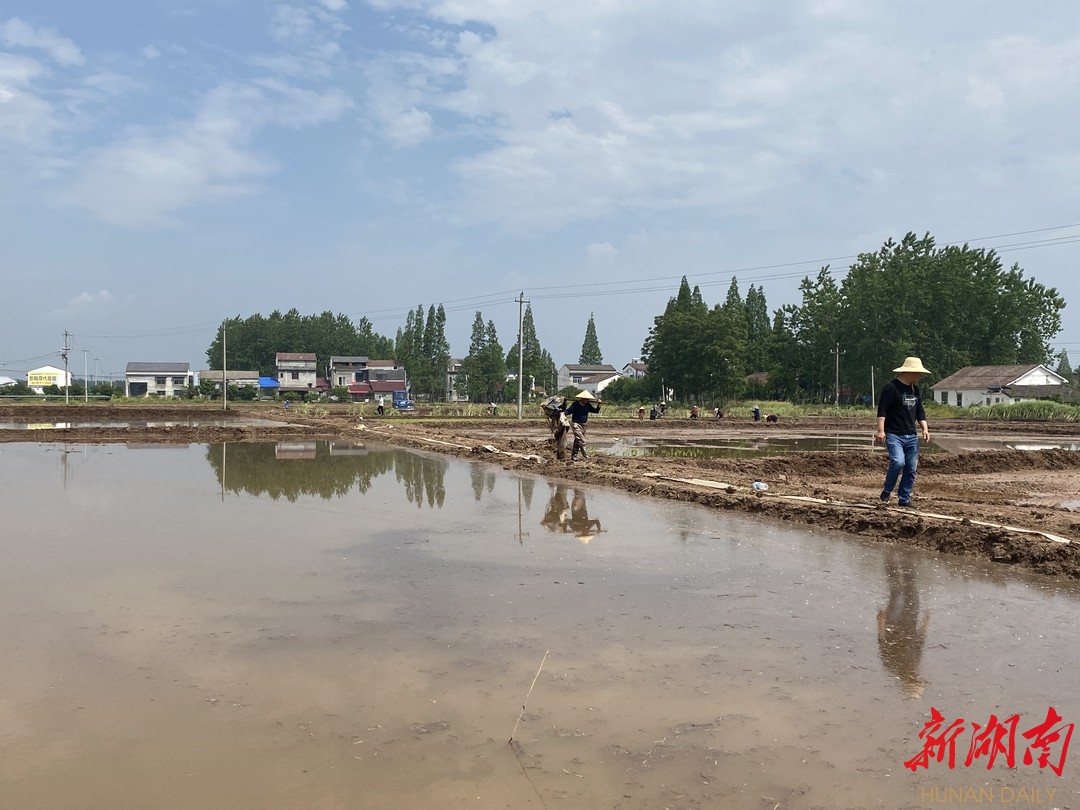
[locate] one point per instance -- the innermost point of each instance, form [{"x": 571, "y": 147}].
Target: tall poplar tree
[
  {"x": 537, "y": 366},
  {"x": 758, "y": 327},
  {"x": 590, "y": 348},
  {"x": 485, "y": 365},
  {"x": 675, "y": 342},
  {"x": 436, "y": 352}
]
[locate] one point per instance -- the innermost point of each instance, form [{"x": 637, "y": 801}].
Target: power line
[{"x": 758, "y": 274}]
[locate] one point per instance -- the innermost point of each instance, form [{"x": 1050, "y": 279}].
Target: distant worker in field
[
  {"x": 381, "y": 407},
  {"x": 719, "y": 414},
  {"x": 694, "y": 412},
  {"x": 757, "y": 413},
  {"x": 641, "y": 412},
  {"x": 900, "y": 420},
  {"x": 578, "y": 411}
]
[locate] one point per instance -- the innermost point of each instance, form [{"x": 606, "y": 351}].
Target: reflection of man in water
[
  {"x": 570, "y": 517},
  {"x": 558, "y": 510},
  {"x": 901, "y": 632},
  {"x": 580, "y": 523}
]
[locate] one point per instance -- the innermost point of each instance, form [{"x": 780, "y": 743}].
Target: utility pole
[
  {"x": 64, "y": 354},
  {"x": 521, "y": 347},
  {"x": 521, "y": 533},
  {"x": 837, "y": 352},
  {"x": 85, "y": 381},
  {"x": 224, "y": 373}
]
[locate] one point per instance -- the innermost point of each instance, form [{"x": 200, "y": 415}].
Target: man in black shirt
[{"x": 900, "y": 412}]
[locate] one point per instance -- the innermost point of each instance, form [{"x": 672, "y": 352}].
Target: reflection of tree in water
[
  {"x": 423, "y": 478},
  {"x": 526, "y": 488},
  {"x": 255, "y": 469},
  {"x": 482, "y": 480},
  {"x": 901, "y": 631},
  {"x": 566, "y": 516}
]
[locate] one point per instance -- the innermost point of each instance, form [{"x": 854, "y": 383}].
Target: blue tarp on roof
[{"x": 268, "y": 382}]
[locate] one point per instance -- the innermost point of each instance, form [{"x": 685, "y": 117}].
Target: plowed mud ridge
[{"x": 828, "y": 491}]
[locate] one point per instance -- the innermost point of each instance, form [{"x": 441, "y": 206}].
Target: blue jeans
[{"x": 903, "y": 456}]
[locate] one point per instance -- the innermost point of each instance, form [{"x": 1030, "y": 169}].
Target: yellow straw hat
[{"x": 912, "y": 365}]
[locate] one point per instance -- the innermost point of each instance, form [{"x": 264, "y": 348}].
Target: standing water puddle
[
  {"x": 313, "y": 625},
  {"x": 153, "y": 424}
]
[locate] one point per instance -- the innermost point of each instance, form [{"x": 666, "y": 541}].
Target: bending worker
[{"x": 578, "y": 411}]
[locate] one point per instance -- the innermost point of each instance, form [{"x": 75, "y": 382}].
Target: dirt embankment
[{"x": 1030, "y": 490}]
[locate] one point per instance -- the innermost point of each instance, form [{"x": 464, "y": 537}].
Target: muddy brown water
[{"x": 329, "y": 625}]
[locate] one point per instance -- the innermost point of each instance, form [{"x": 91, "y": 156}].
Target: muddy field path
[{"x": 1026, "y": 496}]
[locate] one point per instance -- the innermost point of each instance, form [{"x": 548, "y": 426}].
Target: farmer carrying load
[{"x": 584, "y": 403}]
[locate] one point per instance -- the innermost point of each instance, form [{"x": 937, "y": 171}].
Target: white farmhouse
[
  {"x": 591, "y": 378},
  {"x": 991, "y": 385}
]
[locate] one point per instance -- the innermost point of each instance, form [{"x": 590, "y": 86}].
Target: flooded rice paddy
[
  {"x": 158, "y": 423},
  {"x": 328, "y": 625}
]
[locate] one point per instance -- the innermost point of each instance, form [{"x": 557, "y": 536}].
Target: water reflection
[
  {"x": 483, "y": 480},
  {"x": 570, "y": 516},
  {"x": 901, "y": 630},
  {"x": 291, "y": 470},
  {"x": 307, "y": 674}
]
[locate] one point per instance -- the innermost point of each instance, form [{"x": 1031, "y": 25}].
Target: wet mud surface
[{"x": 1032, "y": 490}]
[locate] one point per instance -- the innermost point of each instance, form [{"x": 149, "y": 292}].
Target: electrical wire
[{"x": 751, "y": 274}]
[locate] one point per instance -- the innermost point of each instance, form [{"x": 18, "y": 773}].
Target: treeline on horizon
[{"x": 953, "y": 307}]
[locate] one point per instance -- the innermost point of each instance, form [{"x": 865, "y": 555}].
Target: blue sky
[{"x": 165, "y": 164}]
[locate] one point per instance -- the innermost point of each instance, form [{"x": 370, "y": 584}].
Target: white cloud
[
  {"x": 601, "y": 252},
  {"x": 26, "y": 118},
  {"x": 317, "y": 62},
  {"x": 145, "y": 179},
  {"x": 398, "y": 88},
  {"x": 291, "y": 22},
  {"x": 150, "y": 53},
  {"x": 409, "y": 127},
  {"x": 19, "y": 34},
  {"x": 309, "y": 38},
  {"x": 86, "y": 302},
  {"x": 564, "y": 111}
]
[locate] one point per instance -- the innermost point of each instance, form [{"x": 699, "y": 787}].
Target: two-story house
[
  {"x": 297, "y": 372},
  {"x": 157, "y": 379}
]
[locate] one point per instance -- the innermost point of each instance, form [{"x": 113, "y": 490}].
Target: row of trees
[
  {"x": 953, "y": 307},
  {"x": 420, "y": 346},
  {"x": 486, "y": 367},
  {"x": 253, "y": 342}
]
